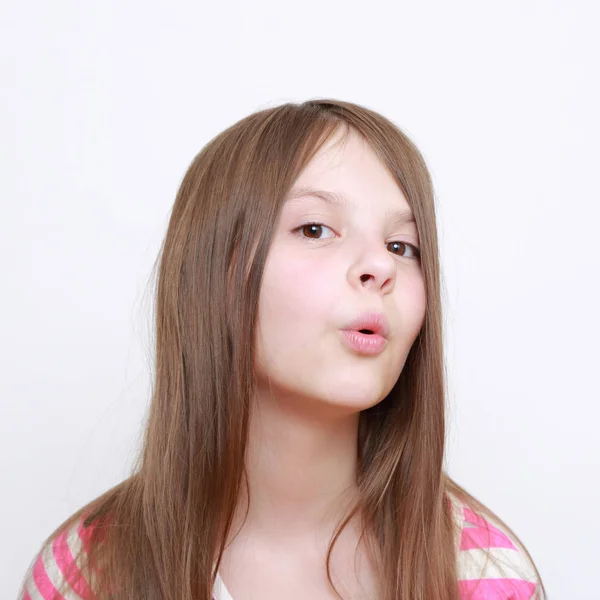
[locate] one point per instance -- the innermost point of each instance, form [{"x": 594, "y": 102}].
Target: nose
[
  {"x": 374, "y": 268},
  {"x": 376, "y": 281}
]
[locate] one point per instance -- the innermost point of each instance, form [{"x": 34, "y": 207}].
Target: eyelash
[{"x": 298, "y": 231}]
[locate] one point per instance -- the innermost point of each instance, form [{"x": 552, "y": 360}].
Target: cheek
[
  {"x": 292, "y": 315},
  {"x": 412, "y": 306},
  {"x": 295, "y": 293}
]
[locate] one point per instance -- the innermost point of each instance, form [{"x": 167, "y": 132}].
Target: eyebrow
[{"x": 396, "y": 216}]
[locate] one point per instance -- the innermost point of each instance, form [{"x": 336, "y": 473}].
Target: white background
[{"x": 103, "y": 106}]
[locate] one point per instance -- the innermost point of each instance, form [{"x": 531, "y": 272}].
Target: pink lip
[
  {"x": 375, "y": 322},
  {"x": 363, "y": 343}
]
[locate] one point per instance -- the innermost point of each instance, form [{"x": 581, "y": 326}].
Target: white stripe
[
  {"x": 502, "y": 562},
  {"x": 32, "y": 589},
  {"x": 220, "y": 592},
  {"x": 75, "y": 545},
  {"x": 55, "y": 575}
]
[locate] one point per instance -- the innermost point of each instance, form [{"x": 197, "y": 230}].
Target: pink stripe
[
  {"x": 85, "y": 535},
  {"x": 26, "y": 596},
  {"x": 485, "y": 589},
  {"x": 68, "y": 567},
  {"x": 483, "y": 535},
  {"x": 89, "y": 536},
  {"x": 42, "y": 581}
]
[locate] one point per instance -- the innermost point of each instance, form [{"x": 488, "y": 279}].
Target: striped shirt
[{"x": 489, "y": 563}]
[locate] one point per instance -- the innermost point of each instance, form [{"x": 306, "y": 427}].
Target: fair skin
[{"x": 301, "y": 459}]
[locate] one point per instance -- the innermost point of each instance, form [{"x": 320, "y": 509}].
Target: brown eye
[
  {"x": 403, "y": 245},
  {"x": 311, "y": 231}
]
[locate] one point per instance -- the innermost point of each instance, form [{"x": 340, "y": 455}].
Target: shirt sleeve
[
  {"x": 490, "y": 563},
  {"x": 55, "y": 574}
]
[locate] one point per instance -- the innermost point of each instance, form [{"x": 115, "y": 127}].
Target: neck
[{"x": 301, "y": 467}]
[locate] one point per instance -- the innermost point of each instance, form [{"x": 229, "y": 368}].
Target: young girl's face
[{"x": 319, "y": 278}]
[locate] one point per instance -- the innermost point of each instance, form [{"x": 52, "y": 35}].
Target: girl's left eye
[{"x": 315, "y": 228}]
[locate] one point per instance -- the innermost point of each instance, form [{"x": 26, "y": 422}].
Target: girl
[{"x": 295, "y": 442}]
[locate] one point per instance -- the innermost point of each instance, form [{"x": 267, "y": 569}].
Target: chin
[{"x": 354, "y": 397}]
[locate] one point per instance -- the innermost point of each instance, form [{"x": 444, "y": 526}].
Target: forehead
[
  {"x": 348, "y": 173},
  {"x": 395, "y": 216}
]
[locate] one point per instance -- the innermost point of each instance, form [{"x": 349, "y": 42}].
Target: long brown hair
[{"x": 160, "y": 533}]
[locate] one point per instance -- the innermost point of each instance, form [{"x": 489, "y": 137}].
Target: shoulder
[
  {"x": 491, "y": 564},
  {"x": 56, "y": 572}
]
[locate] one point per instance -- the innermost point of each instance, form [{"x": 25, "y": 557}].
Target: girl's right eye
[{"x": 312, "y": 228}]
